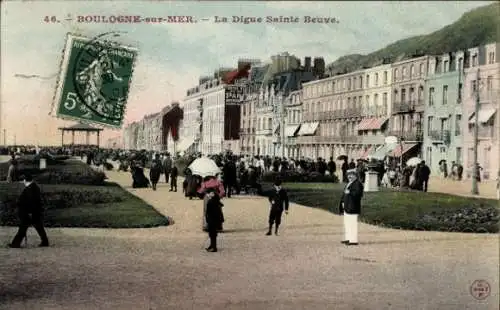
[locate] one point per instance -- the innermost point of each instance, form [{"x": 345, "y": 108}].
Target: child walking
[{"x": 279, "y": 201}]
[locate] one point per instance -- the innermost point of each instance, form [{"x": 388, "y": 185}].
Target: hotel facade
[{"x": 345, "y": 114}]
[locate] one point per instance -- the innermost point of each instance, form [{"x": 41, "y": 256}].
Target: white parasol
[
  {"x": 413, "y": 161},
  {"x": 204, "y": 167}
]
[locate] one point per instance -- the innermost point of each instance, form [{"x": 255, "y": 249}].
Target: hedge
[{"x": 293, "y": 176}]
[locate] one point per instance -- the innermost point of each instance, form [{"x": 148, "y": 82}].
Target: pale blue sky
[{"x": 173, "y": 56}]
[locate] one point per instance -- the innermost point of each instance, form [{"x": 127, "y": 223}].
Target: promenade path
[{"x": 305, "y": 267}]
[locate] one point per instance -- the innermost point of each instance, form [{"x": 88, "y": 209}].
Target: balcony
[
  {"x": 329, "y": 139},
  {"x": 265, "y": 132},
  {"x": 440, "y": 136},
  {"x": 374, "y": 111},
  {"x": 415, "y": 135},
  {"x": 486, "y": 133},
  {"x": 372, "y": 139},
  {"x": 408, "y": 106}
]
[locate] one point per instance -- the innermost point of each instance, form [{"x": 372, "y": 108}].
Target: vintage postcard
[{"x": 333, "y": 155}]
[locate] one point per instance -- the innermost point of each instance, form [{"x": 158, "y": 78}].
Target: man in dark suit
[
  {"x": 30, "y": 213},
  {"x": 229, "y": 176},
  {"x": 350, "y": 207}
]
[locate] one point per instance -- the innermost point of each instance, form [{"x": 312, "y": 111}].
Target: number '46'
[{"x": 50, "y": 19}]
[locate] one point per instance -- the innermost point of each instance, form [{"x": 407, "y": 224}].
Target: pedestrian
[
  {"x": 498, "y": 185},
  {"x": 279, "y": 202},
  {"x": 350, "y": 207},
  {"x": 30, "y": 213},
  {"x": 211, "y": 184},
  {"x": 173, "y": 178},
  {"x": 213, "y": 217},
  {"x": 229, "y": 176},
  {"x": 344, "y": 168},
  {"x": 155, "y": 171},
  {"x": 424, "y": 172},
  {"x": 12, "y": 172},
  {"x": 167, "y": 166}
]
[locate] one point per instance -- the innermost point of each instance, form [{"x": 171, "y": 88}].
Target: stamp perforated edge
[{"x": 63, "y": 69}]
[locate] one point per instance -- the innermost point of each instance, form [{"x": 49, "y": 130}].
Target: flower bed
[{"x": 405, "y": 210}]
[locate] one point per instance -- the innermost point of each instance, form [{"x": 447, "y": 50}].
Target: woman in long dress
[
  {"x": 211, "y": 184},
  {"x": 155, "y": 171}
]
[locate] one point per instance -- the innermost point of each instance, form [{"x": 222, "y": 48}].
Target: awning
[
  {"x": 365, "y": 152},
  {"x": 406, "y": 147},
  {"x": 379, "y": 153},
  {"x": 308, "y": 129},
  {"x": 484, "y": 116},
  {"x": 276, "y": 128},
  {"x": 291, "y": 130},
  {"x": 374, "y": 123},
  {"x": 184, "y": 144}
]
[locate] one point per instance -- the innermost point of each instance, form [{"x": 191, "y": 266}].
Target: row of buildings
[{"x": 291, "y": 110}]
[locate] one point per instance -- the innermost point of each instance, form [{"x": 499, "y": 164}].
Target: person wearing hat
[
  {"x": 279, "y": 201},
  {"x": 350, "y": 207},
  {"x": 30, "y": 213}
]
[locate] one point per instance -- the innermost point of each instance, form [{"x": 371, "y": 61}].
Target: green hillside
[{"x": 477, "y": 27}]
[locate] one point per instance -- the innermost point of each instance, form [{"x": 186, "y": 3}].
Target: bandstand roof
[{"x": 80, "y": 127}]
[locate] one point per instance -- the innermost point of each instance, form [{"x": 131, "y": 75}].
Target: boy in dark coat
[
  {"x": 279, "y": 201},
  {"x": 173, "y": 178},
  {"x": 350, "y": 207},
  {"x": 30, "y": 213}
]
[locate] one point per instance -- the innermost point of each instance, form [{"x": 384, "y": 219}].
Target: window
[
  {"x": 442, "y": 150},
  {"x": 445, "y": 94},
  {"x": 367, "y": 81},
  {"x": 384, "y": 100},
  {"x": 489, "y": 83},
  {"x": 430, "y": 124},
  {"x": 421, "y": 69},
  {"x": 474, "y": 60},
  {"x": 349, "y": 84},
  {"x": 486, "y": 157},
  {"x": 403, "y": 96},
  {"x": 333, "y": 87},
  {"x": 460, "y": 63},
  {"x": 375, "y": 100},
  {"x": 460, "y": 89},
  {"x": 470, "y": 156},
  {"x": 354, "y": 83},
  {"x": 491, "y": 58},
  {"x": 360, "y": 82},
  {"x": 458, "y": 155},
  {"x": 385, "y": 78},
  {"x": 473, "y": 85},
  {"x": 446, "y": 66},
  {"x": 404, "y": 72},
  {"x": 412, "y": 70},
  {"x": 396, "y": 73},
  {"x": 458, "y": 124},
  {"x": 428, "y": 158}
]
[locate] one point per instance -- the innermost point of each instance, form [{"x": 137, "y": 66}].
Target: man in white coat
[{"x": 350, "y": 207}]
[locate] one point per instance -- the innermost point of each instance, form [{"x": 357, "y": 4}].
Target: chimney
[{"x": 307, "y": 64}]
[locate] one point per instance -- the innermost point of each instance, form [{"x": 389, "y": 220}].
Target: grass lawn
[
  {"x": 405, "y": 209},
  {"x": 108, "y": 206}
]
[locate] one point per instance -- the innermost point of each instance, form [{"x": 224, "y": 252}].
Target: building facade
[
  {"x": 249, "y": 122},
  {"x": 203, "y": 125},
  {"x": 293, "y": 116},
  {"x": 346, "y": 114},
  {"x": 406, "y": 123},
  {"x": 114, "y": 143},
  {"x": 443, "y": 115},
  {"x": 482, "y": 78}
]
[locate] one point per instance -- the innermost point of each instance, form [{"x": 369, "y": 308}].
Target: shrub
[{"x": 293, "y": 176}]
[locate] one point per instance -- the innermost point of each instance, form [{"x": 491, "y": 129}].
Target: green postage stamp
[{"x": 94, "y": 81}]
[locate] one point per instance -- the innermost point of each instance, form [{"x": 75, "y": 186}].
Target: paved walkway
[
  {"x": 304, "y": 268},
  {"x": 487, "y": 189}
]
